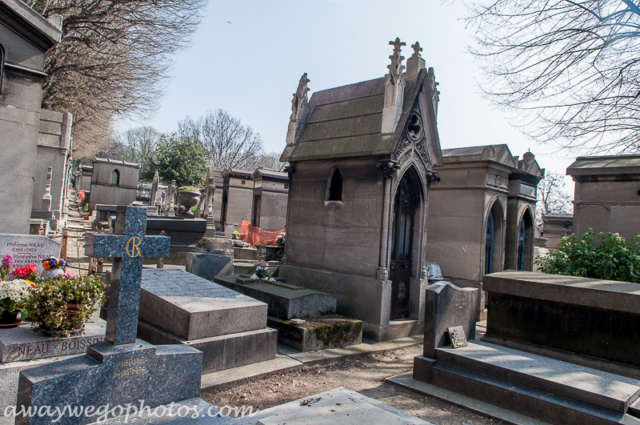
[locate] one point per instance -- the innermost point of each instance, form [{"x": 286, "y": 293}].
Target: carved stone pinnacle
[{"x": 416, "y": 49}]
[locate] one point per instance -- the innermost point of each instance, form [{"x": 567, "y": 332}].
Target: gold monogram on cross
[{"x": 133, "y": 247}]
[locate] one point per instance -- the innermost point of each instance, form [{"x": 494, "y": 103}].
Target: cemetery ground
[{"x": 365, "y": 374}]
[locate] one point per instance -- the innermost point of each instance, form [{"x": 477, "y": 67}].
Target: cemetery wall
[
  {"x": 607, "y": 205},
  {"x": 54, "y": 146},
  {"x": 20, "y": 111},
  {"x": 343, "y": 236}
]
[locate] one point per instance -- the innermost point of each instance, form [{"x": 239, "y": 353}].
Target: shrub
[{"x": 596, "y": 255}]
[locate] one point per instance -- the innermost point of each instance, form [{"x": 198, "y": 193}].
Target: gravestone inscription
[
  {"x": 28, "y": 249},
  {"x": 457, "y": 337},
  {"x": 121, "y": 371}
]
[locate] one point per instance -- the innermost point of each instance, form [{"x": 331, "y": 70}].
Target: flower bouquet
[
  {"x": 53, "y": 267},
  {"x": 61, "y": 305},
  {"x": 281, "y": 238},
  {"x": 14, "y": 295},
  {"x": 263, "y": 273},
  {"x": 28, "y": 272},
  {"x": 235, "y": 234}
]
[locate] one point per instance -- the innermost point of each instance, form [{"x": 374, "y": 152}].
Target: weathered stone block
[
  {"x": 209, "y": 265},
  {"x": 318, "y": 333},
  {"x": 285, "y": 301},
  {"x": 191, "y": 307}
]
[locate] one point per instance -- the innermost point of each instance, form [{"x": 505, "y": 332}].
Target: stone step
[
  {"x": 583, "y": 384},
  {"x": 221, "y": 352},
  {"x": 532, "y": 402}
]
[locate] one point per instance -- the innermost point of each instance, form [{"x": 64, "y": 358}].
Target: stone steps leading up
[
  {"x": 543, "y": 405},
  {"x": 576, "y": 382}
]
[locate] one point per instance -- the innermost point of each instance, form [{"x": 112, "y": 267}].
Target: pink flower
[
  {"x": 7, "y": 261},
  {"x": 68, "y": 275}
]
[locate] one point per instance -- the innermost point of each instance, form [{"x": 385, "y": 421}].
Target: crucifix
[{"x": 128, "y": 247}]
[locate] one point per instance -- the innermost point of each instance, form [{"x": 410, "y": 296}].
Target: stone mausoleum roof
[
  {"x": 346, "y": 122},
  {"x": 611, "y": 164}
]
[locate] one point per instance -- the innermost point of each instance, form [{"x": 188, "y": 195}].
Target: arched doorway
[
  {"x": 490, "y": 243},
  {"x": 406, "y": 201},
  {"x": 525, "y": 246}
]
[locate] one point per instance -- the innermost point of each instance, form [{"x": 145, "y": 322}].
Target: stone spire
[
  {"x": 393, "y": 90},
  {"x": 299, "y": 105},
  {"x": 415, "y": 63}
]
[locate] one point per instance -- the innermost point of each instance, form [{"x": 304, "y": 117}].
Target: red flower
[{"x": 25, "y": 271}]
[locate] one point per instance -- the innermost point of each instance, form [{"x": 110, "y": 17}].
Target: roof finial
[
  {"x": 300, "y": 97},
  {"x": 416, "y": 49},
  {"x": 396, "y": 67}
]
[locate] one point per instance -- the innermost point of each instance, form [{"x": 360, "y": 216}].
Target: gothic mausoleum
[{"x": 361, "y": 161}]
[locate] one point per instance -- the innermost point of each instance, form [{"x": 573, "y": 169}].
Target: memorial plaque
[
  {"x": 457, "y": 337},
  {"x": 28, "y": 249}
]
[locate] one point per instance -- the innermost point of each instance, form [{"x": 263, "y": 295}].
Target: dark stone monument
[
  {"x": 446, "y": 306},
  {"x": 122, "y": 370}
]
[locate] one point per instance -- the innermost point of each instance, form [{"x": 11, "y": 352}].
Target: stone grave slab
[
  {"x": 120, "y": 370},
  {"x": 191, "y": 307},
  {"x": 28, "y": 249},
  {"x": 21, "y": 343},
  {"x": 286, "y": 301},
  {"x": 337, "y": 406},
  {"x": 209, "y": 265},
  {"x": 229, "y": 328}
]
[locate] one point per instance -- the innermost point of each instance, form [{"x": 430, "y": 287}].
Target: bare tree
[
  {"x": 552, "y": 197},
  {"x": 572, "y": 65},
  {"x": 229, "y": 143},
  {"x": 113, "y": 59},
  {"x": 138, "y": 145}
]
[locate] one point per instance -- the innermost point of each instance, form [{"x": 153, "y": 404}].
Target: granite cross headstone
[
  {"x": 127, "y": 250},
  {"x": 122, "y": 370}
]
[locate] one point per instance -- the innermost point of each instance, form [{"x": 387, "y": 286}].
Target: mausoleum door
[
  {"x": 521, "y": 245},
  {"x": 400, "y": 272},
  {"x": 488, "y": 256}
]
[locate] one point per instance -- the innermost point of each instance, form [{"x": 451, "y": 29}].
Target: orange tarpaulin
[{"x": 257, "y": 236}]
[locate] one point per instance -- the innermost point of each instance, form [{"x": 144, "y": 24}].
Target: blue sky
[{"x": 248, "y": 56}]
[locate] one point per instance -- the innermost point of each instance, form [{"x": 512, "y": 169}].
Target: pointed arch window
[
  {"x": 334, "y": 188},
  {"x": 1, "y": 67},
  {"x": 115, "y": 177}
]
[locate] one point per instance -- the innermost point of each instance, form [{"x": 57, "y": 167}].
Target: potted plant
[
  {"x": 60, "y": 306},
  {"x": 53, "y": 267},
  {"x": 188, "y": 197},
  {"x": 14, "y": 295}
]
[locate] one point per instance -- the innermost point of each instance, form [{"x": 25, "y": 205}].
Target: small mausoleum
[
  {"x": 270, "y": 193},
  {"x": 555, "y": 226},
  {"x": 361, "y": 162},
  {"x": 113, "y": 182},
  {"x": 482, "y": 213},
  {"x": 25, "y": 37},
  {"x": 607, "y": 194},
  {"x": 237, "y": 198}
]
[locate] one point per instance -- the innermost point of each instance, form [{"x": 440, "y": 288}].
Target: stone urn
[
  {"x": 51, "y": 272},
  {"x": 188, "y": 198}
]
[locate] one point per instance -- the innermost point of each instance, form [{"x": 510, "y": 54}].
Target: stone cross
[
  {"x": 416, "y": 49},
  {"x": 128, "y": 246},
  {"x": 396, "y": 67}
]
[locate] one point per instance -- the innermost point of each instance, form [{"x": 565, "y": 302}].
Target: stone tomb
[
  {"x": 321, "y": 327},
  {"x": 28, "y": 249},
  {"x": 121, "y": 370},
  {"x": 21, "y": 348},
  {"x": 177, "y": 307},
  {"x": 551, "y": 390}
]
